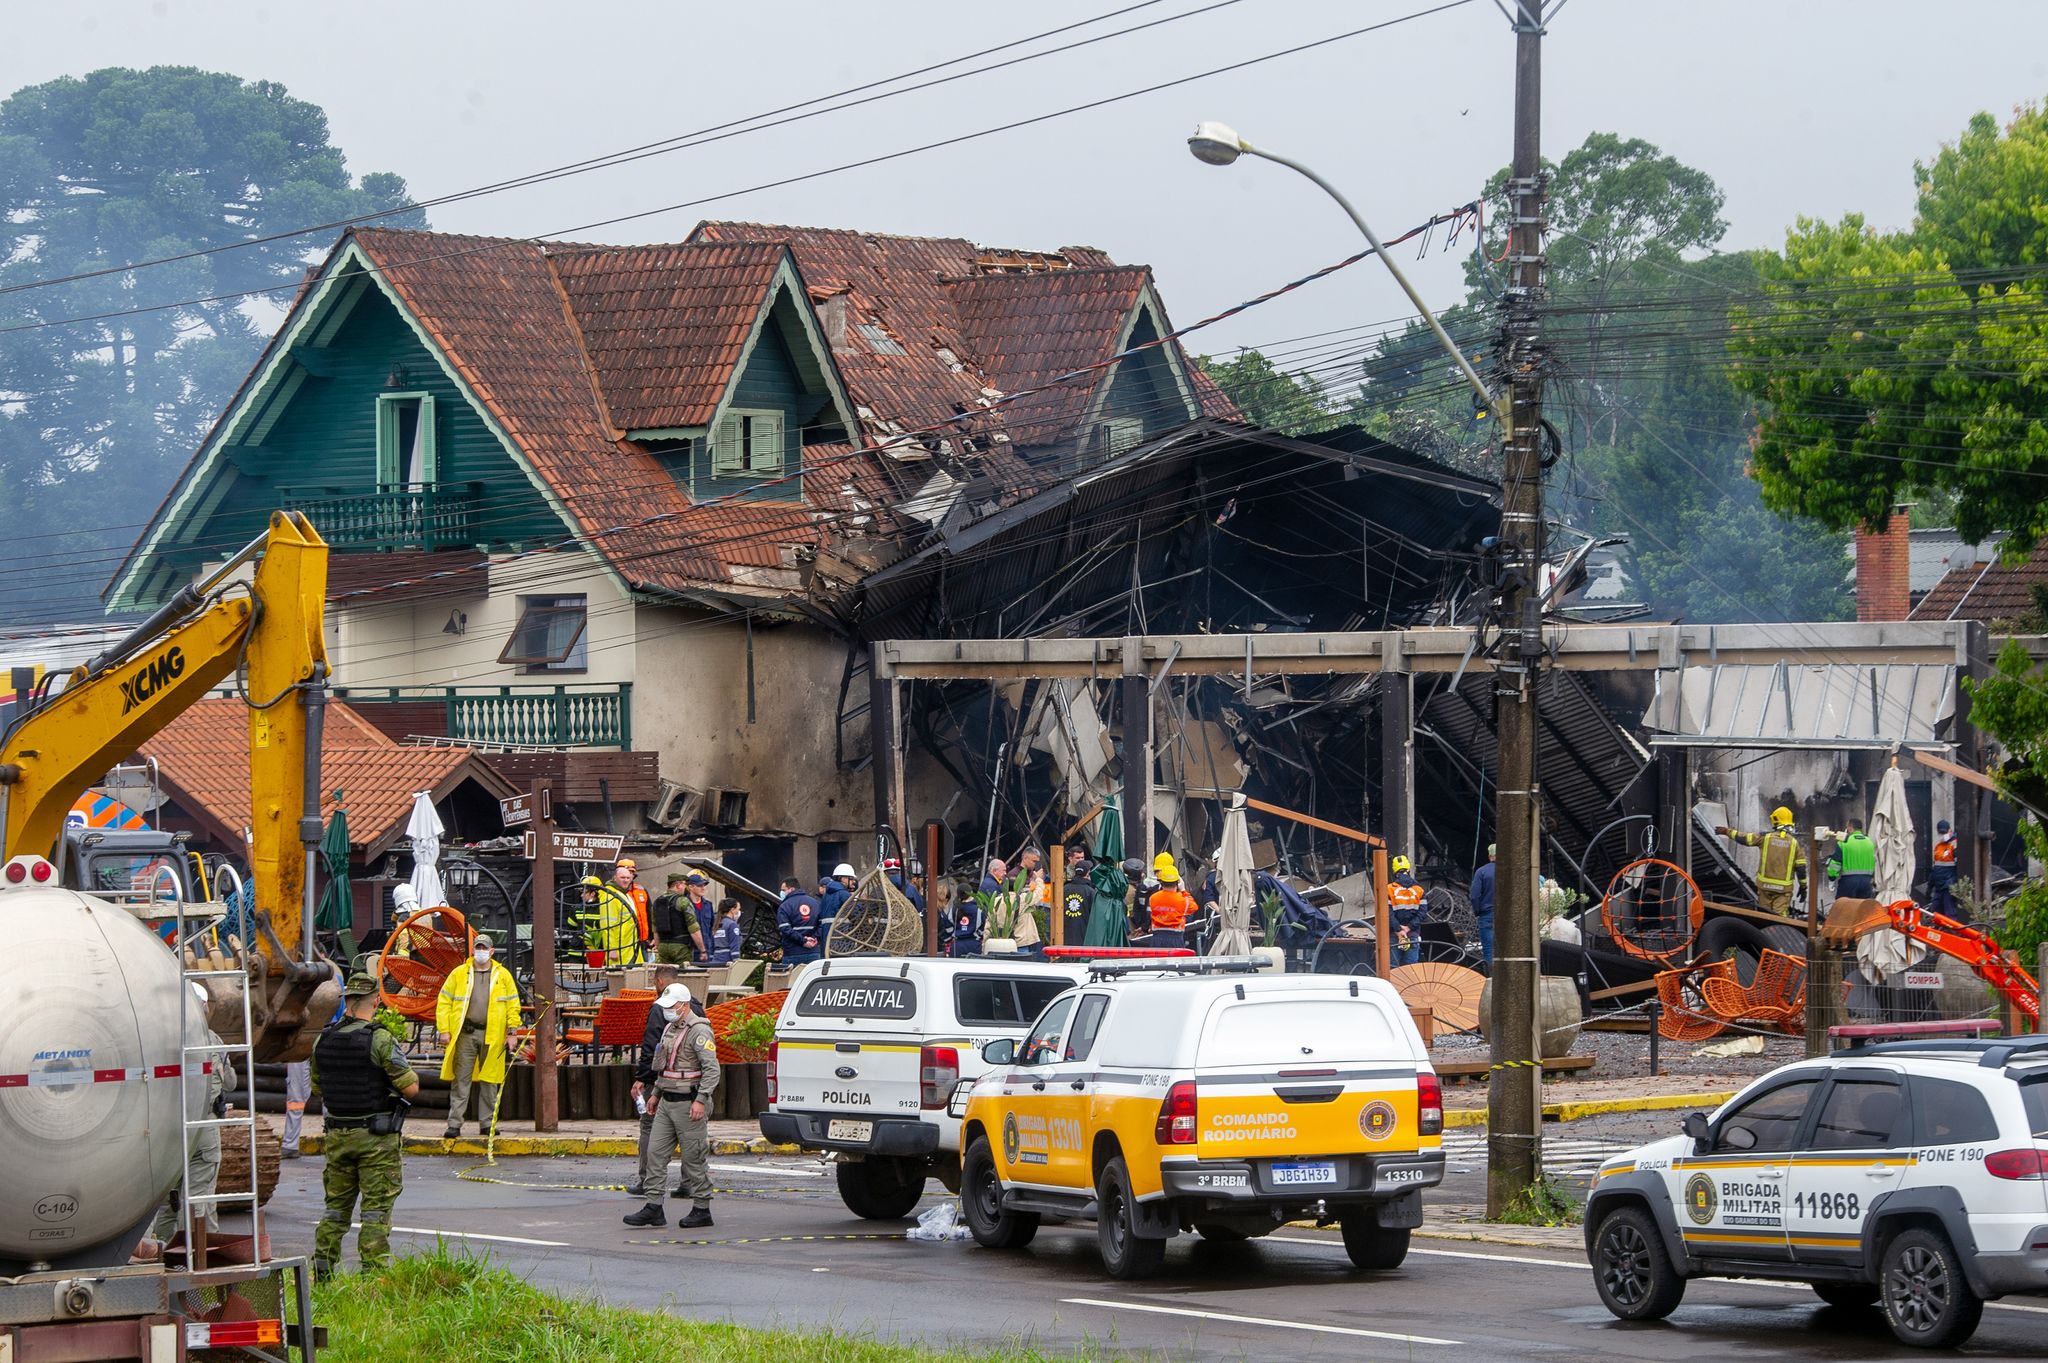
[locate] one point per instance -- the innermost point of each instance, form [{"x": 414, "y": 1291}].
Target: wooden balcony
[
  {"x": 420, "y": 516},
  {"x": 576, "y": 715}
]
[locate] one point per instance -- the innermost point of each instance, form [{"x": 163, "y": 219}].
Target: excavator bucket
[{"x": 1849, "y": 919}]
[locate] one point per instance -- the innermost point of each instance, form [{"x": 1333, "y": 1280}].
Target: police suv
[
  {"x": 1197, "y": 1095},
  {"x": 867, "y": 1051},
  {"x": 1909, "y": 1175}
]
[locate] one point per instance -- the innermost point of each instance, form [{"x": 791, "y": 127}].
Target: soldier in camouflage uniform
[{"x": 359, "y": 1075}]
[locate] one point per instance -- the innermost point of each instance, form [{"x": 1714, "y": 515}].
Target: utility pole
[
  {"x": 546, "y": 1094},
  {"x": 1514, "y": 1107}
]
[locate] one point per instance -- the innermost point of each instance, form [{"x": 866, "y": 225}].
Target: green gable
[{"x": 1145, "y": 386}]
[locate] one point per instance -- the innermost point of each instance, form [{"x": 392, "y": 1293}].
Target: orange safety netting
[
  {"x": 723, "y": 1017},
  {"x": 1652, "y": 909},
  {"x": 414, "y": 963}
]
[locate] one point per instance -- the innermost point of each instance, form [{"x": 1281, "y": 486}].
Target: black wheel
[
  {"x": 1125, "y": 1253},
  {"x": 1926, "y": 1300},
  {"x": 981, "y": 1200},
  {"x": 1634, "y": 1275},
  {"x": 1848, "y": 1296},
  {"x": 881, "y": 1188},
  {"x": 1373, "y": 1247}
]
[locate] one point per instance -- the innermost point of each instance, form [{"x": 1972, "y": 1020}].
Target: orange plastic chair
[
  {"x": 1776, "y": 997},
  {"x": 1683, "y": 1019},
  {"x": 621, "y": 1022}
]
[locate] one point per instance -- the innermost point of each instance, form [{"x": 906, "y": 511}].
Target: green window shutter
[
  {"x": 387, "y": 443},
  {"x": 728, "y": 447},
  {"x": 764, "y": 446}
]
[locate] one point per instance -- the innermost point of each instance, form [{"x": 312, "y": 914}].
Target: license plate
[
  {"x": 849, "y": 1131},
  {"x": 1292, "y": 1174}
]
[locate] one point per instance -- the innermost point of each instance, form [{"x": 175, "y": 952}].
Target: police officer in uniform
[
  {"x": 678, "y": 1084},
  {"x": 360, "y": 1077}
]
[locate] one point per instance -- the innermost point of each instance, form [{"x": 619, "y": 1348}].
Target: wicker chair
[{"x": 621, "y": 1023}]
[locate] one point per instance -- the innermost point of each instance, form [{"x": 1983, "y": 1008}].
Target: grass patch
[
  {"x": 1542, "y": 1203},
  {"x": 445, "y": 1304}
]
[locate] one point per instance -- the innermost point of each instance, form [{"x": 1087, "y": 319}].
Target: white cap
[
  {"x": 675, "y": 996},
  {"x": 842, "y": 869}
]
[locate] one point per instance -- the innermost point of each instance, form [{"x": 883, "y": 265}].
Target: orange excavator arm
[{"x": 1959, "y": 941}]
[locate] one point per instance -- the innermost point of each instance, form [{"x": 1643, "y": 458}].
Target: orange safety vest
[
  {"x": 1945, "y": 851},
  {"x": 1170, "y": 909},
  {"x": 1405, "y": 896},
  {"x": 640, "y": 907}
]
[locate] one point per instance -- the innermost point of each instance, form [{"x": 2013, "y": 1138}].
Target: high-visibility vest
[
  {"x": 1945, "y": 850},
  {"x": 1780, "y": 852},
  {"x": 1405, "y": 896},
  {"x": 1170, "y": 909}
]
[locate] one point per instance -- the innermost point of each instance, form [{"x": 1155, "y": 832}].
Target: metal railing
[
  {"x": 573, "y": 715},
  {"x": 413, "y": 516}
]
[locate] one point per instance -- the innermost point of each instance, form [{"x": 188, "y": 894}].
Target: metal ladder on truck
[{"x": 197, "y": 1062}]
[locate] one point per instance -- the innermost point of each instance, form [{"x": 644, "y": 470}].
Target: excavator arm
[
  {"x": 1959, "y": 941},
  {"x": 270, "y": 629}
]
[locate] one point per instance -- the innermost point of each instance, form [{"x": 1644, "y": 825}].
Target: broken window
[
  {"x": 1119, "y": 433},
  {"x": 748, "y": 443},
  {"x": 880, "y": 341},
  {"x": 550, "y": 635}
]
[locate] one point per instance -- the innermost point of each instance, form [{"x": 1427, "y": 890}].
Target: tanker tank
[{"x": 89, "y": 1094}]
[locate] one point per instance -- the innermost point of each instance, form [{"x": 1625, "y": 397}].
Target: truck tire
[
  {"x": 981, "y": 1202},
  {"x": 881, "y": 1187},
  {"x": 1634, "y": 1276},
  {"x": 1373, "y": 1247},
  {"x": 1926, "y": 1299},
  {"x": 1125, "y": 1254}
]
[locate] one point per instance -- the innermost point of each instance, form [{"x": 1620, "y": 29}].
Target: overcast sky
[{"x": 1813, "y": 107}]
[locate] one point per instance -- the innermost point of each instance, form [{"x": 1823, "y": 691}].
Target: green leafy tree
[
  {"x": 1269, "y": 397},
  {"x": 1653, "y": 434},
  {"x": 96, "y": 173},
  {"x": 1890, "y": 366},
  {"x": 2012, "y": 705}
]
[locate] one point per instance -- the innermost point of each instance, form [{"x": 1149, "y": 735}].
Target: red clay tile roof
[
  {"x": 1991, "y": 592},
  {"x": 664, "y": 325},
  {"x": 203, "y": 758},
  {"x": 1026, "y": 330}
]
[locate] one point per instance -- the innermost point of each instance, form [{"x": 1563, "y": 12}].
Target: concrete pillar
[
  {"x": 1397, "y": 756},
  {"x": 1137, "y": 707}
]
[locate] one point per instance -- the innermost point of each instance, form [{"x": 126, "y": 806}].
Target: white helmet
[
  {"x": 844, "y": 872},
  {"x": 404, "y": 898}
]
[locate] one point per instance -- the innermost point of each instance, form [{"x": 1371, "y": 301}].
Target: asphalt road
[{"x": 773, "y": 1260}]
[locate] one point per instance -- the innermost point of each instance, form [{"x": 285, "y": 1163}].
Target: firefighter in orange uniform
[
  {"x": 1169, "y": 906},
  {"x": 1404, "y": 909}
]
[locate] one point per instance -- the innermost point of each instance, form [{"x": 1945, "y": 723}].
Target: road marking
[
  {"x": 1255, "y": 1320},
  {"x": 475, "y": 1235},
  {"x": 1769, "y": 1284},
  {"x": 789, "y": 1169}
]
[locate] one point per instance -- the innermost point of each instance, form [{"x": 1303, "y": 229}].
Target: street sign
[
  {"x": 517, "y": 812},
  {"x": 604, "y": 847}
]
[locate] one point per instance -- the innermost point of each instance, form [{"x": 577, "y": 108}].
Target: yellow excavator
[{"x": 263, "y": 627}]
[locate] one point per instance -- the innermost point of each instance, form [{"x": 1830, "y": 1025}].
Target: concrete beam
[{"x": 1579, "y": 648}]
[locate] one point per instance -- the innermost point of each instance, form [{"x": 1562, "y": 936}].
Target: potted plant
[
  {"x": 1003, "y": 913},
  {"x": 744, "y": 1091}
]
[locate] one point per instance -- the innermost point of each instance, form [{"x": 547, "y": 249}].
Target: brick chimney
[{"x": 1884, "y": 560}]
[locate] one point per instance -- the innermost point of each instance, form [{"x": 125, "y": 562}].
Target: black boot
[
  {"x": 699, "y": 1216},
  {"x": 649, "y": 1215}
]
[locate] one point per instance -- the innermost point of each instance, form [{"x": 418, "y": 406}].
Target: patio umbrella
[
  {"x": 1107, "y": 925},
  {"x": 1234, "y": 888},
  {"x": 1109, "y": 833},
  {"x": 337, "y": 906},
  {"x": 423, "y": 830},
  {"x": 1884, "y": 952}
]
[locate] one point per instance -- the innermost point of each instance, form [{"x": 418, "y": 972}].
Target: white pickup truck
[{"x": 868, "y": 1050}]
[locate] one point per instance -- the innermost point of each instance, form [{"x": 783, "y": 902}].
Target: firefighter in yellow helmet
[
  {"x": 1404, "y": 911},
  {"x": 607, "y": 922},
  {"x": 1781, "y": 860}
]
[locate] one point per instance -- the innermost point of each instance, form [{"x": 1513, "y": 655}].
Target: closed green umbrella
[
  {"x": 337, "y": 906},
  {"x": 1107, "y": 924}
]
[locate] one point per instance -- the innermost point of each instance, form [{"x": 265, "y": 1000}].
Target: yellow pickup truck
[{"x": 1200, "y": 1095}]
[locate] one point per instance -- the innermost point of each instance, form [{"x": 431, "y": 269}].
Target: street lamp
[{"x": 1217, "y": 144}]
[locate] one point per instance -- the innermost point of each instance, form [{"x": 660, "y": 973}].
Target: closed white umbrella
[
  {"x": 423, "y": 829},
  {"x": 1235, "y": 891},
  {"x": 1885, "y": 952}
]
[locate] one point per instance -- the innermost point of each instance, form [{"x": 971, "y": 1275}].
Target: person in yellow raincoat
[{"x": 477, "y": 1010}]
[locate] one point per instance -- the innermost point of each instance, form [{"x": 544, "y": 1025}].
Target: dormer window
[{"x": 748, "y": 444}]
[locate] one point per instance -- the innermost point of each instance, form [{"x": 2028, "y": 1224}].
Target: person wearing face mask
[
  {"x": 678, "y": 1082},
  {"x": 477, "y": 1010}
]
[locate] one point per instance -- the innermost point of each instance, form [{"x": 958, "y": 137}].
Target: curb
[
  {"x": 1597, "y": 1107},
  {"x": 1506, "y": 1235},
  {"x": 595, "y": 1146}
]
